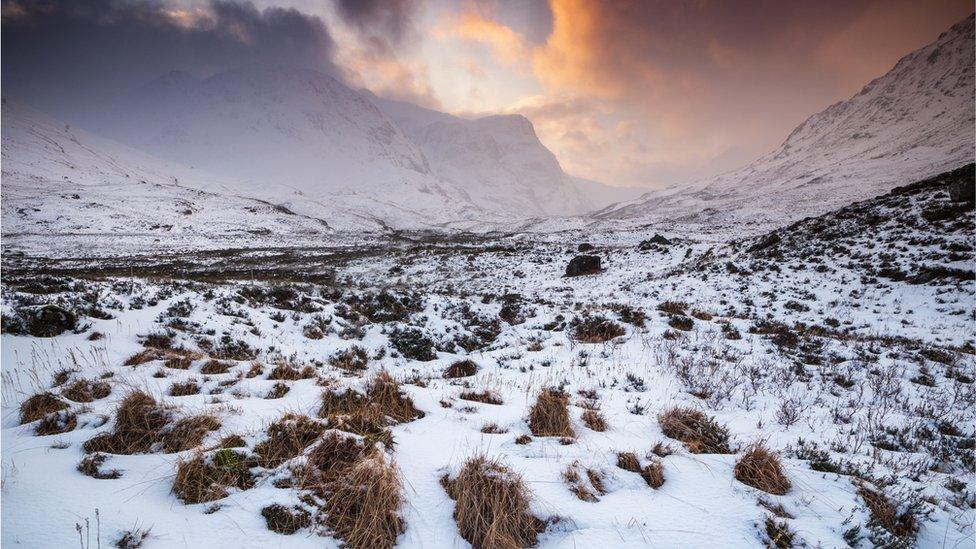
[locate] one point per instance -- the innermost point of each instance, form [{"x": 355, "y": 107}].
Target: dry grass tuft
[
  {"x": 353, "y": 359},
  {"x": 144, "y": 356},
  {"x": 200, "y": 478},
  {"x": 672, "y": 307},
  {"x": 761, "y": 469},
  {"x": 485, "y": 397},
  {"x": 287, "y": 438},
  {"x": 86, "y": 390},
  {"x": 363, "y": 508},
  {"x": 213, "y": 367},
  {"x": 285, "y": 520},
  {"x": 595, "y": 329},
  {"x": 523, "y": 439},
  {"x": 91, "y": 465},
  {"x": 279, "y": 390},
  {"x": 699, "y": 433},
  {"x": 141, "y": 422},
  {"x": 188, "y": 433},
  {"x": 178, "y": 362},
  {"x": 886, "y": 514},
  {"x": 461, "y": 368},
  {"x": 652, "y": 473},
  {"x": 780, "y": 535},
  {"x": 549, "y": 416},
  {"x": 336, "y": 404},
  {"x": 40, "y": 405},
  {"x": 585, "y": 490},
  {"x": 492, "y": 428},
  {"x": 594, "y": 420},
  {"x": 186, "y": 388},
  {"x": 289, "y": 372},
  {"x": 56, "y": 423},
  {"x": 384, "y": 392},
  {"x": 492, "y": 506},
  {"x": 334, "y": 457}
]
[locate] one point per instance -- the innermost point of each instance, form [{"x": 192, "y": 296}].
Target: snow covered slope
[
  {"x": 62, "y": 182},
  {"x": 498, "y": 162},
  {"x": 304, "y": 139},
  {"x": 913, "y": 122}
]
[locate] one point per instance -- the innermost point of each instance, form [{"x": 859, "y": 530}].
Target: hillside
[{"x": 913, "y": 122}]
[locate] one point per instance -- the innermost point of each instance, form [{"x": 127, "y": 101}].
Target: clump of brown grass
[
  {"x": 285, "y": 520},
  {"x": 780, "y": 535},
  {"x": 279, "y": 390},
  {"x": 40, "y": 405},
  {"x": 346, "y": 403},
  {"x": 594, "y": 420},
  {"x": 178, "y": 362},
  {"x": 588, "y": 489},
  {"x": 523, "y": 439},
  {"x": 652, "y": 473},
  {"x": 492, "y": 506},
  {"x": 699, "y": 433},
  {"x": 334, "y": 456},
  {"x": 287, "y": 438},
  {"x": 213, "y": 367},
  {"x": 384, "y": 393},
  {"x": 186, "y": 388},
  {"x": 485, "y": 397},
  {"x": 661, "y": 449},
  {"x": 761, "y": 469},
  {"x": 364, "y": 506},
  {"x": 202, "y": 478},
  {"x": 549, "y": 416},
  {"x": 595, "y": 329},
  {"x": 144, "y": 356},
  {"x": 232, "y": 441},
  {"x": 493, "y": 429},
  {"x": 86, "y": 390},
  {"x": 628, "y": 461},
  {"x": 56, "y": 423},
  {"x": 188, "y": 433},
  {"x": 91, "y": 465},
  {"x": 290, "y": 372},
  {"x": 141, "y": 422},
  {"x": 461, "y": 368},
  {"x": 902, "y": 524},
  {"x": 672, "y": 307},
  {"x": 353, "y": 359}
]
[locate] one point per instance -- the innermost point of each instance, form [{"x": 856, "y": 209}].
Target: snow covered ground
[{"x": 832, "y": 343}]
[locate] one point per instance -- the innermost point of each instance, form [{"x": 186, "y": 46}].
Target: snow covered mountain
[
  {"x": 64, "y": 187},
  {"x": 498, "y": 162},
  {"x": 913, "y": 122},
  {"x": 303, "y": 139}
]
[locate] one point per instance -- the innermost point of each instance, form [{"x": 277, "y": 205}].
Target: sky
[{"x": 636, "y": 93}]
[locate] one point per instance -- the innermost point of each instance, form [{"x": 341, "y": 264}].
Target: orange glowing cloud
[{"x": 508, "y": 46}]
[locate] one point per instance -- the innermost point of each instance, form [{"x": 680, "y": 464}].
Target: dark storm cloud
[
  {"x": 67, "y": 57},
  {"x": 384, "y": 24}
]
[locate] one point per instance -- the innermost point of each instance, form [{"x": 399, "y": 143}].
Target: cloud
[
  {"x": 383, "y": 24},
  {"x": 714, "y": 83},
  {"x": 68, "y": 57},
  {"x": 508, "y": 46}
]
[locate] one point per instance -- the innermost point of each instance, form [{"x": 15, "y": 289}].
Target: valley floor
[{"x": 185, "y": 394}]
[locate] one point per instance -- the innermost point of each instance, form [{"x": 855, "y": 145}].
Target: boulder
[
  {"x": 656, "y": 240},
  {"x": 962, "y": 190},
  {"x": 582, "y": 265}
]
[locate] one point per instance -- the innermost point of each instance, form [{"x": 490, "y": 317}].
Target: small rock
[
  {"x": 585, "y": 247},
  {"x": 582, "y": 265},
  {"x": 657, "y": 239}
]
